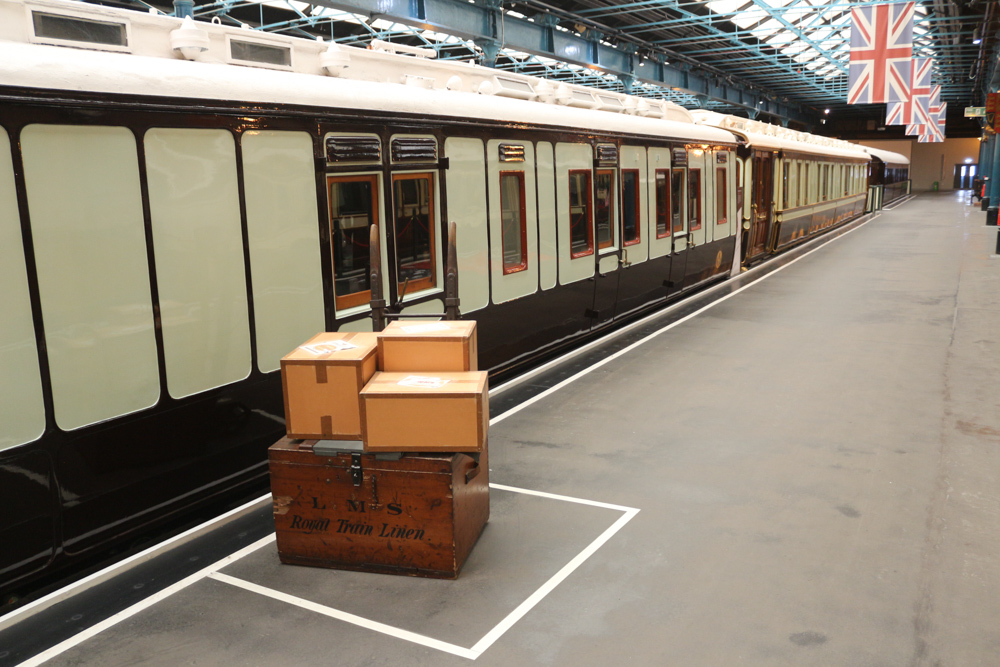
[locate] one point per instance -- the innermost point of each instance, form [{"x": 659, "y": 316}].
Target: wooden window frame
[
  {"x": 589, "y": 215},
  {"x": 431, "y": 281},
  {"x": 611, "y": 209},
  {"x": 694, "y": 173},
  {"x": 638, "y": 212},
  {"x": 667, "y": 211},
  {"x": 353, "y": 299},
  {"x": 786, "y": 178},
  {"x": 721, "y": 185},
  {"x": 523, "y": 265},
  {"x": 680, "y": 172}
]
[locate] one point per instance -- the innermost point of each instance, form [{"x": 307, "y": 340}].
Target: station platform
[{"x": 798, "y": 467}]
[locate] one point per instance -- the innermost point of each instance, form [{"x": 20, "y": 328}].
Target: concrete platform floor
[{"x": 815, "y": 466}]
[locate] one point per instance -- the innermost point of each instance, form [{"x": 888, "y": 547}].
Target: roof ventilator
[
  {"x": 389, "y": 47},
  {"x": 414, "y": 150},
  {"x": 511, "y": 153},
  {"x": 521, "y": 90},
  {"x": 353, "y": 149}
]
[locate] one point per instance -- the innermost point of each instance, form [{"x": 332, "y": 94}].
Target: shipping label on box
[{"x": 322, "y": 379}]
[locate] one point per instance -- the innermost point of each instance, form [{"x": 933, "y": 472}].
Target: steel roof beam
[{"x": 481, "y": 24}]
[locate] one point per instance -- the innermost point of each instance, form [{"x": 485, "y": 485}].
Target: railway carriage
[
  {"x": 800, "y": 184},
  {"x": 183, "y": 203},
  {"x": 889, "y": 170}
]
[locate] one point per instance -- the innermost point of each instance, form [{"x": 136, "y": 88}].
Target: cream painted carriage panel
[
  {"x": 634, "y": 157},
  {"x": 658, "y": 160},
  {"x": 93, "y": 276},
  {"x": 547, "y": 248},
  {"x": 466, "y": 206},
  {"x": 198, "y": 243},
  {"x": 573, "y": 157},
  {"x": 22, "y": 412},
  {"x": 280, "y": 184},
  {"x": 512, "y": 285}
]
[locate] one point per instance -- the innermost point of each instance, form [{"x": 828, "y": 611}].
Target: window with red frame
[
  {"x": 720, "y": 196},
  {"x": 513, "y": 222},
  {"x": 581, "y": 221},
  {"x": 630, "y": 207},
  {"x": 694, "y": 199},
  {"x": 662, "y": 203}
]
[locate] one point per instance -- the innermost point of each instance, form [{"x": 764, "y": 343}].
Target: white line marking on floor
[
  {"x": 144, "y": 604},
  {"x": 360, "y": 621},
  {"x": 498, "y": 631},
  {"x": 642, "y": 341}
]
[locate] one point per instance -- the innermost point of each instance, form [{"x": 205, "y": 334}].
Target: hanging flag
[
  {"x": 936, "y": 107},
  {"x": 913, "y": 130},
  {"x": 942, "y": 116},
  {"x": 881, "y": 53},
  {"x": 907, "y": 113}
]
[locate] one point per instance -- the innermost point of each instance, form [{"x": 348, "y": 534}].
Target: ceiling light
[
  {"x": 977, "y": 36},
  {"x": 826, "y": 111}
]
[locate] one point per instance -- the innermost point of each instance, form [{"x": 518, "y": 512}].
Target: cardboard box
[
  {"x": 411, "y": 412},
  {"x": 411, "y": 514},
  {"x": 322, "y": 379},
  {"x": 431, "y": 347}
]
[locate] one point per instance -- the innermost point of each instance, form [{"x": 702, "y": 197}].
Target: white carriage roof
[
  {"x": 886, "y": 156},
  {"x": 170, "y": 58},
  {"x": 763, "y": 135}
]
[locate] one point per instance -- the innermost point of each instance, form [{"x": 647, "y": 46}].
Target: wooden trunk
[{"x": 417, "y": 515}]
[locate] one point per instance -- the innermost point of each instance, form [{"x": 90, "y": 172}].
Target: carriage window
[
  {"x": 694, "y": 199},
  {"x": 676, "y": 201},
  {"x": 605, "y": 208},
  {"x": 785, "y": 175},
  {"x": 802, "y": 186},
  {"x": 843, "y": 179},
  {"x": 825, "y": 185},
  {"x": 630, "y": 207},
  {"x": 720, "y": 196},
  {"x": 353, "y": 209},
  {"x": 663, "y": 203},
  {"x": 513, "y": 222},
  {"x": 413, "y": 219},
  {"x": 581, "y": 233}
]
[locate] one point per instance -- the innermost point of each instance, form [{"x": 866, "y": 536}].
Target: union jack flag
[
  {"x": 914, "y": 109},
  {"x": 881, "y": 53}
]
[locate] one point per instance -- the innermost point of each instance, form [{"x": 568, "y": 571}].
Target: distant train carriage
[
  {"x": 889, "y": 170},
  {"x": 800, "y": 184},
  {"x": 169, "y": 229}
]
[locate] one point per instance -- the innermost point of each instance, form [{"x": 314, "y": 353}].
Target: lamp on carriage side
[
  {"x": 334, "y": 60},
  {"x": 189, "y": 40}
]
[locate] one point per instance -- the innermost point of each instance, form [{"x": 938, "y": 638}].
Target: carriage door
[
  {"x": 760, "y": 208},
  {"x": 677, "y": 199},
  {"x": 608, "y": 256}
]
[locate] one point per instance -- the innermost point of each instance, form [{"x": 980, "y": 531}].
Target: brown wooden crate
[
  {"x": 400, "y": 417},
  {"x": 419, "y": 515},
  {"x": 430, "y": 347},
  {"x": 321, "y": 389}
]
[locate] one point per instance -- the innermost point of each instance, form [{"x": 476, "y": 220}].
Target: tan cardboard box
[
  {"x": 321, "y": 380},
  {"x": 439, "y": 412},
  {"x": 433, "y": 347}
]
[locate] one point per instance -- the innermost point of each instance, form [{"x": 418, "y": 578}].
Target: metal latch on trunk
[{"x": 356, "y": 476}]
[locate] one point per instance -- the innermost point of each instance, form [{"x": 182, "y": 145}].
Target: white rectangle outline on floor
[
  {"x": 480, "y": 647},
  {"x": 490, "y": 637}
]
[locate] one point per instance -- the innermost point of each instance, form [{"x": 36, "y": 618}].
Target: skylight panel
[
  {"x": 778, "y": 3},
  {"x": 726, "y": 6},
  {"x": 783, "y": 37},
  {"x": 770, "y": 25},
  {"x": 749, "y": 17}
]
